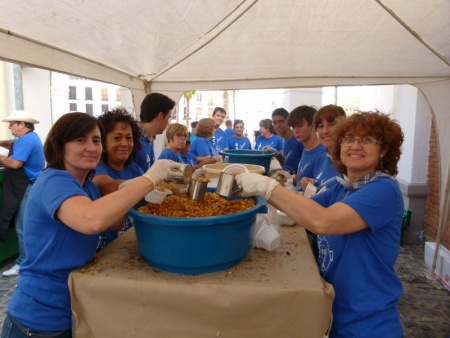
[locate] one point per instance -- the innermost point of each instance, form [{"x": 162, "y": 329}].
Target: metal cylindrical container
[
  {"x": 227, "y": 185},
  {"x": 197, "y": 189},
  {"x": 186, "y": 177}
]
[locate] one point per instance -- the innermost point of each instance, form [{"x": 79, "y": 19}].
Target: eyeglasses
[
  {"x": 365, "y": 140},
  {"x": 278, "y": 122},
  {"x": 181, "y": 135}
]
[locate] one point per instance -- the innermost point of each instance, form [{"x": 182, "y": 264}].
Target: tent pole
[{"x": 443, "y": 217}]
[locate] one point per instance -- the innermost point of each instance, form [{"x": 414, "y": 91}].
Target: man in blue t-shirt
[
  {"x": 219, "y": 140},
  {"x": 301, "y": 121},
  {"x": 156, "y": 112},
  {"x": 292, "y": 149},
  {"x": 238, "y": 140},
  {"x": 22, "y": 167},
  {"x": 229, "y": 131}
]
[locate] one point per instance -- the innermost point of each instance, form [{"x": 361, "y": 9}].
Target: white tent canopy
[{"x": 173, "y": 46}]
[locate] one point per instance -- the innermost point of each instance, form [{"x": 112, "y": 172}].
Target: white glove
[
  {"x": 198, "y": 173},
  {"x": 281, "y": 173},
  {"x": 125, "y": 183},
  {"x": 163, "y": 169},
  {"x": 255, "y": 184},
  {"x": 270, "y": 150}
]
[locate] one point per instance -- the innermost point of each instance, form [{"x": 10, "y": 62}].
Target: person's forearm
[{"x": 10, "y": 163}]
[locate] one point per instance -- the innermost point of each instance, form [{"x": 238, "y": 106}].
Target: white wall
[
  {"x": 36, "y": 98},
  {"x": 414, "y": 116},
  {"x": 293, "y": 98}
]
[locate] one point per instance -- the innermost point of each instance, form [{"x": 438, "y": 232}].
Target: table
[{"x": 269, "y": 294}]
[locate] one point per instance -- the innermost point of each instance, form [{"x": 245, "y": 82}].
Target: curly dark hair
[
  {"x": 378, "y": 125},
  {"x": 109, "y": 119}
]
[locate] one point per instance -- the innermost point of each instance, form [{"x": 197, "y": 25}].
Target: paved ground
[{"x": 424, "y": 306}]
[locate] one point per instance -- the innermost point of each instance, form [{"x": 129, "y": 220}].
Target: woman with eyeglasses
[
  {"x": 358, "y": 223},
  {"x": 176, "y": 137}
]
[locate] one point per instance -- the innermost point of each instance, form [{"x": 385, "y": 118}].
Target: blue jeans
[
  {"x": 12, "y": 328},
  {"x": 19, "y": 225}
]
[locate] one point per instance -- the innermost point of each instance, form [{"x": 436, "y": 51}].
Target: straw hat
[{"x": 20, "y": 115}]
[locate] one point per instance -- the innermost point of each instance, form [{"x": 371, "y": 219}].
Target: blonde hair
[{"x": 173, "y": 129}]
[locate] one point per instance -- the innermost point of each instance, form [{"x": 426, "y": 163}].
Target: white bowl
[
  {"x": 235, "y": 169},
  {"x": 156, "y": 196},
  {"x": 212, "y": 171}
]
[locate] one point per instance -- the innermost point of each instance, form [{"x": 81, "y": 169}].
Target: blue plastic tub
[
  {"x": 248, "y": 157},
  {"x": 195, "y": 245}
]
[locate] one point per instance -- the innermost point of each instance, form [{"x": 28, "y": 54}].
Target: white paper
[
  {"x": 310, "y": 190},
  {"x": 3, "y": 151}
]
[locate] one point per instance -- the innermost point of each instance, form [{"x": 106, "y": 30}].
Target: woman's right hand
[
  {"x": 163, "y": 169},
  {"x": 304, "y": 182}
]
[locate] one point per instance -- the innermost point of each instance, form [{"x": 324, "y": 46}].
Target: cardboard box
[
  {"x": 442, "y": 270},
  {"x": 269, "y": 294}
]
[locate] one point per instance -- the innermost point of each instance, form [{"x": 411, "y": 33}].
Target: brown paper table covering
[{"x": 277, "y": 294}]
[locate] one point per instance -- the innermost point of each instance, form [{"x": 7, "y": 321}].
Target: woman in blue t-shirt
[
  {"x": 118, "y": 160},
  {"x": 268, "y": 137},
  {"x": 202, "y": 148},
  {"x": 63, "y": 217},
  {"x": 177, "y": 136},
  {"x": 325, "y": 172},
  {"x": 357, "y": 222}
]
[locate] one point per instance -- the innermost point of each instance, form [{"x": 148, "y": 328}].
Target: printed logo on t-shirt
[{"x": 325, "y": 254}]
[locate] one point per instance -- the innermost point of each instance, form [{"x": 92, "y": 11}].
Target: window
[
  {"x": 73, "y": 107},
  {"x": 88, "y": 93},
  {"x": 210, "y": 99},
  {"x": 199, "y": 97},
  {"x": 90, "y": 109},
  {"x": 72, "y": 93},
  {"x": 198, "y": 113},
  {"x": 104, "y": 94},
  {"x": 104, "y": 107},
  {"x": 118, "y": 95}
]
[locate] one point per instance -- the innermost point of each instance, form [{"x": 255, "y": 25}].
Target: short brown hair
[
  {"x": 206, "y": 127},
  {"x": 297, "y": 115},
  {"x": 329, "y": 113}
]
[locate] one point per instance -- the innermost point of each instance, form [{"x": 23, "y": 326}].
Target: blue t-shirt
[
  {"x": 190, "y": 159},
  {"x": 219, "y": 141},
  {"x": 42, "y": 299},
  {"x": 146, "y": 156},
  {"x": 29, "y": 150},
  {"x": 308, "y": 163},
  {"x": 275, "y": 142},
  {"x": 239, "y": 143},
  {"x": 169, "y": 154},
  {"x": 202, "y": 147},
  {"x": 325, "y": 173},
  {"x": 292, "y": 152},
  {"x": 130, "y": 171},
  {"x": 360, "y": 265},
  {"x": 229, "y": 132}
]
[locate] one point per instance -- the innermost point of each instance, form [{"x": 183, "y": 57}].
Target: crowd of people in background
[{"x": 98, "y": 168}]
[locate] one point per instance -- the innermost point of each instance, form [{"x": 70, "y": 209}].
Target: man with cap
[{"x": 23, "y": 165}]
